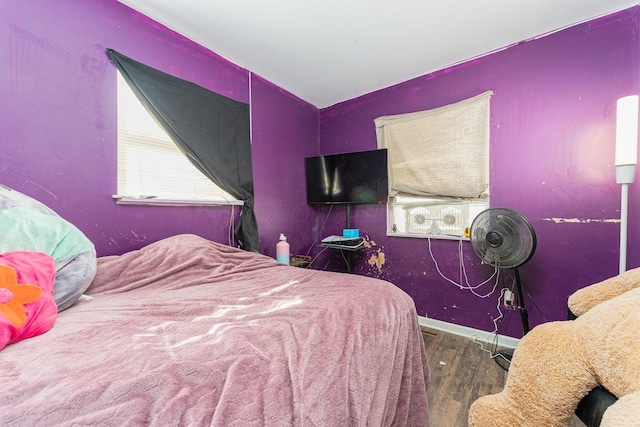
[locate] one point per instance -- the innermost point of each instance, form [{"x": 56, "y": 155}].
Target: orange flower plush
[
  {"x": 27, "y": 307},
  {"x": 13, "y": 296}
]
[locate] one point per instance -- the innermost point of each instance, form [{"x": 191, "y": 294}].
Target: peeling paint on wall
[
  {"x": 582, "y": 220},
  {"x": 376, "y": 254},
  {"x": 377, "y": 259}
]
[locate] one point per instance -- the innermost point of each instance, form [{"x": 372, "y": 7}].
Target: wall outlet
[{"x": 508, "y": 298}]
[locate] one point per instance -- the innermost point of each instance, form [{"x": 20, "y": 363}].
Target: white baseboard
[{"x": 482, "y": 336}]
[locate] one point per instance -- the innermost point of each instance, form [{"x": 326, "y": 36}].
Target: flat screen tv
[{"x": 347, "y": 178}]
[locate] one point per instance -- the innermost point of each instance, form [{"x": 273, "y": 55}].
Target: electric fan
[{"x": 504, "y": 238}]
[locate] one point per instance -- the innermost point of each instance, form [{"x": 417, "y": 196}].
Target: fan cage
[{"x": 503, "y": 237}]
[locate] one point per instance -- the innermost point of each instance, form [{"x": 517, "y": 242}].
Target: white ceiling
[{"x": 328, "y": 51}]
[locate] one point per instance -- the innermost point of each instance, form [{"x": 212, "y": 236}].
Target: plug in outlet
[{"x": 508, "y": 298}]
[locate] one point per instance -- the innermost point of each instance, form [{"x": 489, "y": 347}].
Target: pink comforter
[{"x": 186, "y": 332}]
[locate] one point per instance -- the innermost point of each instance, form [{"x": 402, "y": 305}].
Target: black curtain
[{"x": 212, "y": 130}]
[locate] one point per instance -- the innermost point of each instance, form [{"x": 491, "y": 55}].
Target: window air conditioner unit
[{"x": 438, "y": 220}]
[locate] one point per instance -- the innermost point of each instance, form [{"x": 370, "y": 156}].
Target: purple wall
[
  {"x": 552, "y": 146},
  {"x": 285, "y": 130},
  {"x": 58, "y": 121}
]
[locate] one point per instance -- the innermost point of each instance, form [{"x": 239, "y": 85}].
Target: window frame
[{"x": 413, "y": 193}]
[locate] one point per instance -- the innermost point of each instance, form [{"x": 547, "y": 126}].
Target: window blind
[{"x": 439, "y": 152}]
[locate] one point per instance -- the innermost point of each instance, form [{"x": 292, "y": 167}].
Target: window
[
  {"x": 150, "y": 166},
  {"x": 438, "y": 168}
]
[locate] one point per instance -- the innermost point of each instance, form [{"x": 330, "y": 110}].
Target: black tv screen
[{"x": 359, "y": 177}]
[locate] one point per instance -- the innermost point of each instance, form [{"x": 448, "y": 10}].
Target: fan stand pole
[
  {"x": 504, "y": 357},
  {"x": 524, "y": 315}
]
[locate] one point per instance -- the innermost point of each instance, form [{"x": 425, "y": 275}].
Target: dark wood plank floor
[{"x": 460, "y": 373}]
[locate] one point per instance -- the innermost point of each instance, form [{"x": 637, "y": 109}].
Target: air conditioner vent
[
  {"x": 419, "y": 220},
  {"x": 440, "y": 219},
  {"x": 451, "y": 220}
]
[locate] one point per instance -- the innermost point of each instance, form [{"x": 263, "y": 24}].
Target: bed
[{"x": 189, "y": 332}]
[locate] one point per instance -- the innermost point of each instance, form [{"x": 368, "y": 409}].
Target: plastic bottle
[{"x": 282, "y": 250}]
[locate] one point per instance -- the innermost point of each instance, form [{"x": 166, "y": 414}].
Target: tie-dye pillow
[
  {"x": 27, "y": 308},
  {"x": 28, "y": 225}
]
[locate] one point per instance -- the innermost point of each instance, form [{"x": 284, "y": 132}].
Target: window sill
[
  {"x": 122, "y": 200},
  {"x": 427, "y": 236}
]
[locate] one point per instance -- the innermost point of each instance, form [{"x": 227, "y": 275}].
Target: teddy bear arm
[
  {"x": 588, "y": 297},
  {"x": 546, "y": 380}
]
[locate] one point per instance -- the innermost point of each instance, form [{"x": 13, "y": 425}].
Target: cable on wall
[
  {"x": 463, "y": 274},
  {"x": 467, "y": 286},
  {"x": 492, "y": 352},
  {"x": 251, "y": 107},
  {"x": 230, "y": 236},
  {"x": 319, "y": 233}
]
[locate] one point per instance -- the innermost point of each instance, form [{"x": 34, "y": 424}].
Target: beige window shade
[{"x": 439, "y": 152}]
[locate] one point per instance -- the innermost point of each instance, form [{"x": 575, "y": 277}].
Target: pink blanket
[{"x": 190, "y": 332}]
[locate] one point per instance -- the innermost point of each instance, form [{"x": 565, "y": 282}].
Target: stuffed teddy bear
[{"x": 557, "y": 363}]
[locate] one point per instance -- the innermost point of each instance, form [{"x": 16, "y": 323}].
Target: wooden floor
[{"x": 460, "y": 373}]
